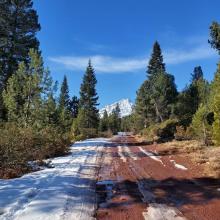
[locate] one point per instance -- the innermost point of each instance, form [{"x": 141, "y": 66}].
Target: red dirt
[{"x": 195, "y": 196}]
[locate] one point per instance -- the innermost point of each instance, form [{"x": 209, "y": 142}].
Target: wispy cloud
[
  {"x": 182, "y": 56},
  {"x": 109, "y": 64},
  {"x": 102, "y": 64}
]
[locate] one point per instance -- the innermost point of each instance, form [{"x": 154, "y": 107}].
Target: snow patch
[
  {"x": 66, "y": 191},
  {"x": 157, "y": 211},
  {"x": 151, "y": 155},
  {"x": 162, "y": 212},
  {"x": 122, "y": 156},
  {"x": 178, "y": 166},
  {"x": 130, "y": 154}
]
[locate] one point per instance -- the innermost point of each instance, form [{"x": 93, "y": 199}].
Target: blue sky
[{"x": 118, "y": 36}]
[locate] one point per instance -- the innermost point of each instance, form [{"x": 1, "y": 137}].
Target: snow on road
[
  {"x": 120, "y": 152},
  {"x": 162, "y": 212},
  {"x": 178, "y": 166},
  {"x": 151, "y": 155},
  {"x": 129, "y": 153},
  {"x": 66, "y": 191}
]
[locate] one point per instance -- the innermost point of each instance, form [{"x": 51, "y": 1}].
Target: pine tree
[
  {"x": 74, "y": 106},
  {"x": 18, "y": 25},
  {"x": 163, "y": 95},
  {"x": 200, "y": 124},
  {"x": 26, "y": 90},
  {"x": 215, "y": 36},
  {"x": 214, "y": 100},
  {"x": 88, "y": 100},
  {"x": 157, "y": 95},
  {"x": 64, "y": 106},
  {"x": 156, "y": 62},
  {"x": 64, "y": 99},
  {"x": 194, "y": 95},
  {"x": 143, "y": 107},
  {"x": 104, "y": 122},
  {"x": 50, "y": 112},
  {"x": 215, "y": 105},
  {"x": 197, "y": 74},
  {"x": 163, "y": 90},
  {"x": 115, "y": 120}
]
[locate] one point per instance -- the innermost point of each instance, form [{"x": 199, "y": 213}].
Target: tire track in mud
[
  {"x": 133, "y": 198},
  {"x": 125, "y": 200},
  {"x": 154, "y": 211}
]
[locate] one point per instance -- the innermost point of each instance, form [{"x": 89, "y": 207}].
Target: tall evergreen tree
[
  {"x": 215, "y": 86},
  {"x": 215, "y": 105},
  {"x": 115, "y": 120},
  {"x": 64, "y": 106},
  {"x": 156, "y": 62},
  {"x": 64, "y": 99},
  {"x": 88, "y": 99},
  {"x": 157, "y": 95},
  {"x": 143, "y": 107},
  {"x": 163, "y": 95},
  {"x": 18, "y": 25},
  {"x": 50, "y": 111},
  {"x": 197, "y": 73},
  {"x": 23, "y": 96},
  {"x": 104, "y": 122},
  {"x": 215, "y": 36},
  {"x": 194, "y": 95},
  {"x": 74, "y": 106}
]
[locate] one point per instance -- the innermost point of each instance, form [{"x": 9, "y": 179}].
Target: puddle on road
[{"x": 104, "y": 190}]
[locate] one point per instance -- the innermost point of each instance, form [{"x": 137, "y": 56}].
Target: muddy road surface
[
  {"x": 136, "y": 181},
  {"x": 113, "y": 179}
]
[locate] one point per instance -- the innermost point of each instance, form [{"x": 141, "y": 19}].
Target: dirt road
[
  {"x": 114, "y": 179},
  {"x": 140, "y": 182}
]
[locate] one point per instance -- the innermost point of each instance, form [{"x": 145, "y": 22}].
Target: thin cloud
[
  {"x": 198, "y": 53},
  {"x": 108, "y": 64},
  {"x": 102, "y": 64}
]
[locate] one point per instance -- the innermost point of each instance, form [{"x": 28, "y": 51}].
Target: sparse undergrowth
[
  {"x": 18, "y": 146},
  {"x": 209, "y": 157}
]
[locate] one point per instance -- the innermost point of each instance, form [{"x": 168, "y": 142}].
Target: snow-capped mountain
[{"x": 125, "y": 106}]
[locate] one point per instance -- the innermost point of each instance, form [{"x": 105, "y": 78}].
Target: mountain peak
[{"x": 125, "y": 106}]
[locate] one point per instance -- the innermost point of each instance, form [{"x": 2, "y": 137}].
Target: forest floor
[{"x": 121, "y": 179}]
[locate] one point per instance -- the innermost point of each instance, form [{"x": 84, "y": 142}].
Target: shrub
[
  {"x": 182, "y": 133},
  {"x": 201, "y": 128},
  {"x": 105, "y": 134},
  {"x": 20, "y": 145},
  {"x": 161, "y": 132},
  {"x": 167, "y": 129}
]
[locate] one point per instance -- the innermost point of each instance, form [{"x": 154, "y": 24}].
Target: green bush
[
  {"x": 161, "y": 132},
  {"x": 20, "y": 145},
  {"x": 200, "y": 125},
  {"x": 79, "y": 133},
  {"x": 167, "y": 129},
  {"x": 15, "y": 151}
]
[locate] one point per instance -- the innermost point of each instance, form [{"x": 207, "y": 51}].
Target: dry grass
[
  {"x": 212, "y": 167},
  {"x": 182, "y": 147},
  {"x": 208, "y": 157}
]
